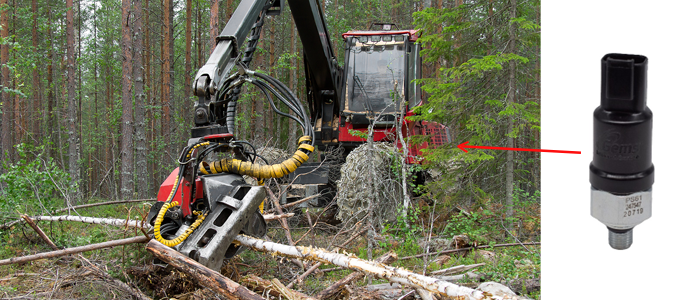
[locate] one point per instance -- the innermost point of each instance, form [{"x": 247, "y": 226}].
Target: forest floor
[{"x": 68, "y": 278}]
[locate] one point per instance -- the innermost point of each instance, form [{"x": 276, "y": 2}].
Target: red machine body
[
  {"x": 381, "y": 67},
  {"x": 182, "y": 195}
]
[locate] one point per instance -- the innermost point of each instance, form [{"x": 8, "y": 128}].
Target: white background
[{"x": 663, "y": 262}]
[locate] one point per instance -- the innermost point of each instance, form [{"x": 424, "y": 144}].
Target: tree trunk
[
  {"x": 5, "y": 98},
  {"x": 49, "y": 80},
  {"x": 510, "y": 100},
  {"x": 213, "y": 24},
  {"x": 166, "y": 95},
  {"x": 291, "y": 127},
  {"x": 139, "y": 103},
  {"x": 127, "y": 145},
  {"x": 73, "y": 155},
  {"x": 37, "y": 92},
  {"x": 188, "y": 50},
  {"x": 205, "y": 276}
]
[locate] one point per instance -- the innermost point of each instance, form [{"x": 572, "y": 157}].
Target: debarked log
[{"x": 205, "y": 276}]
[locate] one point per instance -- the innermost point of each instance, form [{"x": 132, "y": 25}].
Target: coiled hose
[
  {"x": 176, "y": 241},
  {"x": 168, "y": 204},
  {"x": 237, "y": 166}
]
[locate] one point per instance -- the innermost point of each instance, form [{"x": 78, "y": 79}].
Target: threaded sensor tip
[{"x": 620, "y": 240}]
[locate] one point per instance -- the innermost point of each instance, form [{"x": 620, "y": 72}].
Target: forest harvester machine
[{"x": 203, "y": 205}]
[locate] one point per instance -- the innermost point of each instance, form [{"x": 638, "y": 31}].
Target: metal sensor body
[{"x": 622, "y": 173}]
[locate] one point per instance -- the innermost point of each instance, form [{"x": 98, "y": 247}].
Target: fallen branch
[
  {"x": 40, "y": 232},
  {"x": 467, "y": 249},
  {"x": 392, "y": 274},
  {"x": 106, "y": 277},
  {"x": 265, "y": 286},
  {"x": 74, "y": 250},
  {"x": 456, "y": 269},
  {"x": 453, "y": 278},
  {"x": 270, "y": 217},
  {"x": 100, "y": 204},
  {"x": 285, "y": 226},
  {"x": 317, "y": 265},
  {"x": 290, "y": 204},
  {"x": 10, "y": 224},
  {"x": 205, "y": 276},
  {"x": 335, "y": 288}
]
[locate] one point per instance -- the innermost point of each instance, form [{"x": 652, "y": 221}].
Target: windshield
[{"x": 375, "y": 78}]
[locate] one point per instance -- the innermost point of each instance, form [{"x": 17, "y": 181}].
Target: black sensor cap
[{"x": 622, "y": 127}]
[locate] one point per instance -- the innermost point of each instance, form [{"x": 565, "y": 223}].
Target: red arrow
[{"x": 464, "y": 147}]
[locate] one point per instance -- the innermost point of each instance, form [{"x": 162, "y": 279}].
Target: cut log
[
  {"x": 23, "y": 259},
  {"x": 205, "y": 276},
  {"x": 335, "y": 288}
]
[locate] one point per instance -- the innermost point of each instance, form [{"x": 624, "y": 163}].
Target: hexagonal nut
[{"x": 620, "y": 211}]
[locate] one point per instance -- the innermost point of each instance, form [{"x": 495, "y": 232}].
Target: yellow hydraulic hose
[
  {"x": 237, "y": 166},
  {"x": 168, "y": 205},
  {"x": 176, "y": 241}
]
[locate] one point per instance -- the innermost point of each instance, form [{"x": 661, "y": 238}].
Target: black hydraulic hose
[
  {"x": 284, "y": 100},
  {"x": 283, "y": 89},
  {"x": 231, "y": 111},
  {"x": 272, "y": 104},
  {"x": 279, "y": 85}
]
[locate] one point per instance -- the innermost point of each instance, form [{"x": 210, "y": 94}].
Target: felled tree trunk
[
  {"x": 392, "y": 274},
  {"x": 23, "y": 259},
  {"x": 387, "y": 258},
  {"x": 205, "y": 276},
  {"x": 105, "y": 221}
]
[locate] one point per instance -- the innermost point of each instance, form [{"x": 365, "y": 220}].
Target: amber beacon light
[{"x": 621, "y": 172}]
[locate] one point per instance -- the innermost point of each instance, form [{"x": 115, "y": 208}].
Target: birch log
[
  {"x": 335, "y": 288},
  {"x": 127, "y": 223},
  {"x": 105, "y": 221},
  {"x": 392, "y": 274}
]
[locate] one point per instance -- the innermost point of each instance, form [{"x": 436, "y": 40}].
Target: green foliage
[
  {"x": 471, "y": 92},
  {"x": 357, "y": 133},
  {"x": 470, "y": 225},
  {"x": 33, "y": 176}
]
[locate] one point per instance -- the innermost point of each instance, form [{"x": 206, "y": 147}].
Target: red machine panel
[{"x": 182, "y": 195}]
